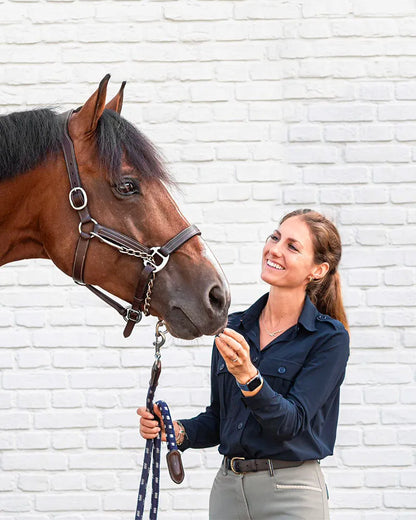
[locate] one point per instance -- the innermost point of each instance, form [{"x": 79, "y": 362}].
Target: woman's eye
[
  {"x": 291, "y": 246},
  {"x": 127, "y": 187},
  {"x": 274, "y": 238}
]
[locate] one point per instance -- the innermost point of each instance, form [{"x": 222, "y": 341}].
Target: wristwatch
[{"x": 252, "y": 384}]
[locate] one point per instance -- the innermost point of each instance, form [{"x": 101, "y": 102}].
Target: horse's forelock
[{"x": 116, "y": 137}]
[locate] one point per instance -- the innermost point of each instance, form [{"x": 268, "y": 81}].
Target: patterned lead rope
[{"x": 153, "y": 446}]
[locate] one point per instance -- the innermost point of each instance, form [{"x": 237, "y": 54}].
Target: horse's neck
[{"x": 20, "y": 236}]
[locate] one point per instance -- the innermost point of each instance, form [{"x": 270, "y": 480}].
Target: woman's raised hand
[{"x": 236, "y": 353}]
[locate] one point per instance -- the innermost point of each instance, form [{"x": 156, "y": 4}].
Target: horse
[{"x": 117, "y": 186}]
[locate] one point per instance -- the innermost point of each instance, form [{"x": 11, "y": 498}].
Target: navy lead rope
[{"x": 153, "y": 446}]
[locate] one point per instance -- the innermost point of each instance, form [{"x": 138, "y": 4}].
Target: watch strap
[{"x": 252, "y": 384}]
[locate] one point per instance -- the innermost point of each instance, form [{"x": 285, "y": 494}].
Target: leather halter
[{"x": 154, "y": 258}]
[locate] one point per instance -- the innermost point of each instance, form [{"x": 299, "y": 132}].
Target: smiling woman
[{"x": 275, "y": 382}]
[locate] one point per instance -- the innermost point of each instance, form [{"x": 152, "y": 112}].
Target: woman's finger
[
  {"x": 225, "y": 350},
  {"x": 231, "y": 333}
]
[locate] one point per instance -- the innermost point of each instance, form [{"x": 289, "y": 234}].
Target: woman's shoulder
[{"x": 324, "y": 321}]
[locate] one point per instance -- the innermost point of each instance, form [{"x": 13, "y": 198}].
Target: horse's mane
[{"x": 28, "y": 138}]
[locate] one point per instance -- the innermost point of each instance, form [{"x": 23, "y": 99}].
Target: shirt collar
[{"x": 306, "y": 319}]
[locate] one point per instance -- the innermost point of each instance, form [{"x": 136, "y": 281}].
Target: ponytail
[{"x": 324, "y": 293}]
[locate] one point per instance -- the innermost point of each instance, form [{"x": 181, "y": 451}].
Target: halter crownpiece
[{"x": 154, "y": 258}]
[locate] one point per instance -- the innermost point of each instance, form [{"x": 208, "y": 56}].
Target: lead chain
[{"x": 146, "y": 306}]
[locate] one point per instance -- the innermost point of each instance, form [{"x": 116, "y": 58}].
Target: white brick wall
[{"x": 260, "y": 107}]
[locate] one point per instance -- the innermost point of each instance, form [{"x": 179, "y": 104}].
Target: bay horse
[{"x": 118, "y": 196}]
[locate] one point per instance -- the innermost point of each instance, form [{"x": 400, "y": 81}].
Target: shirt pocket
[{"x": 280, "y": 373}]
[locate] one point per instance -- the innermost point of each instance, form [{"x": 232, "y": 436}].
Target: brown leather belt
[{"x": 240, "y": 465}]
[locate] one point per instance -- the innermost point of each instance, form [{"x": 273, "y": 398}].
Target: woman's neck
[{"x": 283, "y": 306}]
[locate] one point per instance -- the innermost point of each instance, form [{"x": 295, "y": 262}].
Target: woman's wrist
[
  {"x": 180, "y": 433},
  {"x": 245, "y": 378}
]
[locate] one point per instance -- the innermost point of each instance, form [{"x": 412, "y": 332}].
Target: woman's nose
[{"x": 276, "y": 249}]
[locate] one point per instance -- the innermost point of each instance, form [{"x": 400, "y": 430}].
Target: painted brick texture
[{"x": 259, "y": 107}]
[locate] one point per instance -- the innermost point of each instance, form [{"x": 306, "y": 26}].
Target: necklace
[{"x": 271, "y": 334}]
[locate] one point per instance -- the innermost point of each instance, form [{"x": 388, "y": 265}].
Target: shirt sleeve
[
  {"x": 315, "y": 387},
  {"x": 203, "y": 431}
]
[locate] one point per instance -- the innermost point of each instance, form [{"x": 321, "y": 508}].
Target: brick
[
  {"x": 376, "y": 133},
  {"x": 336, "y": 175},
  {"x": 303, "y": 133},
  {"x": 371, "y": 195},
  {"x": 399, "y": 276},
  {"x": 380, "y": 437},
  {"x": 67, "y": 502},
  {"x": 377, "y": 457},
  {"x": 382, "y": 8},
  {"x": 341, "y": 112},
  {"x": 311, "y": 154},
  {"x": 400, "y": 499},
  {"x": 397, "y": 174},
  {"x": 391, "y": 297},
  {"x": 103, "y": 380},
  {"x": 377, "y": 153},
  {"x": 336, "y": 133},
  {"x": 59, "y": 420},
  {"x": 326, "y": 8},
  {"x": 371, "y": 237},
  {"x": 34, "y": 462},
  {"x": 381, "y": 479},
  {"x": 266, "y": 10},
  {"x": 213, "y": 11},
  {"x": 403, "y": 194}
]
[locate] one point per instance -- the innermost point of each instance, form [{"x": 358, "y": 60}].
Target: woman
[{"x": 275, "y": 378}]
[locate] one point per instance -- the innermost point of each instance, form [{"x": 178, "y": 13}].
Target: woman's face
[{"x": 288, "y": 256}]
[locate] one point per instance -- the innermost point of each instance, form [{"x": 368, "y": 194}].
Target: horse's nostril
[{"x": 217, "y": 298}]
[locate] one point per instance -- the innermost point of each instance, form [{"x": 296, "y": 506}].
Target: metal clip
[{"x": 160, "y": 338}]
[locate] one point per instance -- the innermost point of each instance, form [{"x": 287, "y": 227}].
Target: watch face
[{"x": 252, "y": 385}]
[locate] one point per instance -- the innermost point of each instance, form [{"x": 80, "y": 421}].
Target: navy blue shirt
[{"x": 294, "y": 415}]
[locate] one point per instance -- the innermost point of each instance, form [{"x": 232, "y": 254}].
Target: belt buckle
[{"x": 232, "y": 461}]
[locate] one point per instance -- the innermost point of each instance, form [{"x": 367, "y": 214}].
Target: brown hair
[{"x": 324, "y": 293}]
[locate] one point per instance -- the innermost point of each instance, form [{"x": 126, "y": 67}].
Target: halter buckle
[
  {"x": 84, "y": 198},
  {"x": 133, "y": 315},
  {"x": 158, "y": 267}
]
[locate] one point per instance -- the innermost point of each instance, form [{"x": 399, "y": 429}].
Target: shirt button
[
  {"x": 255, "y": 359},
  {"x": 281, "y": 370},
  {"x": 222, "y": 366},
  {"x": 239, "y": 425}
]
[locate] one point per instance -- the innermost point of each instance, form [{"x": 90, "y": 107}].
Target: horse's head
[{"x": 125, "y": 182}]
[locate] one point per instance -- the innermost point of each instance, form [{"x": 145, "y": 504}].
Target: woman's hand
[
  {"x": 236, "y": 353},
  {"x": 149, "y": 426}
]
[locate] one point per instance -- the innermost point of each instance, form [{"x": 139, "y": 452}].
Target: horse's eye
[{"x": 127, "y": 187}]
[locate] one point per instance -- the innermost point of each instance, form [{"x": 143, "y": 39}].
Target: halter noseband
[{"x": 154, "y": 258}]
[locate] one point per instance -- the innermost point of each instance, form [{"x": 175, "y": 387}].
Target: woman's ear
[{"x": 320, "y": 271}]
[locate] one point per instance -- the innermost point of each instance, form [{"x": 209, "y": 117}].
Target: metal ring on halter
[
  {"x": 82, "y": 223},
  {"x": 84, "y": 195},
  {"x": 133, "y": 315},
  {"x": 165, "y": 259}
]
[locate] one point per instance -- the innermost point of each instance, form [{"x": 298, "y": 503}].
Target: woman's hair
[{"x": 324, "y": 293}]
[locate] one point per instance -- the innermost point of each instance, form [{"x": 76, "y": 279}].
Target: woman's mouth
[{"x": 274, "y": 265}]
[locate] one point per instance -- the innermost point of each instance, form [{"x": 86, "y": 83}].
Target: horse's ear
[
  {"x": 116, "y": 103},
  {"x": 87, "y": 118}
]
